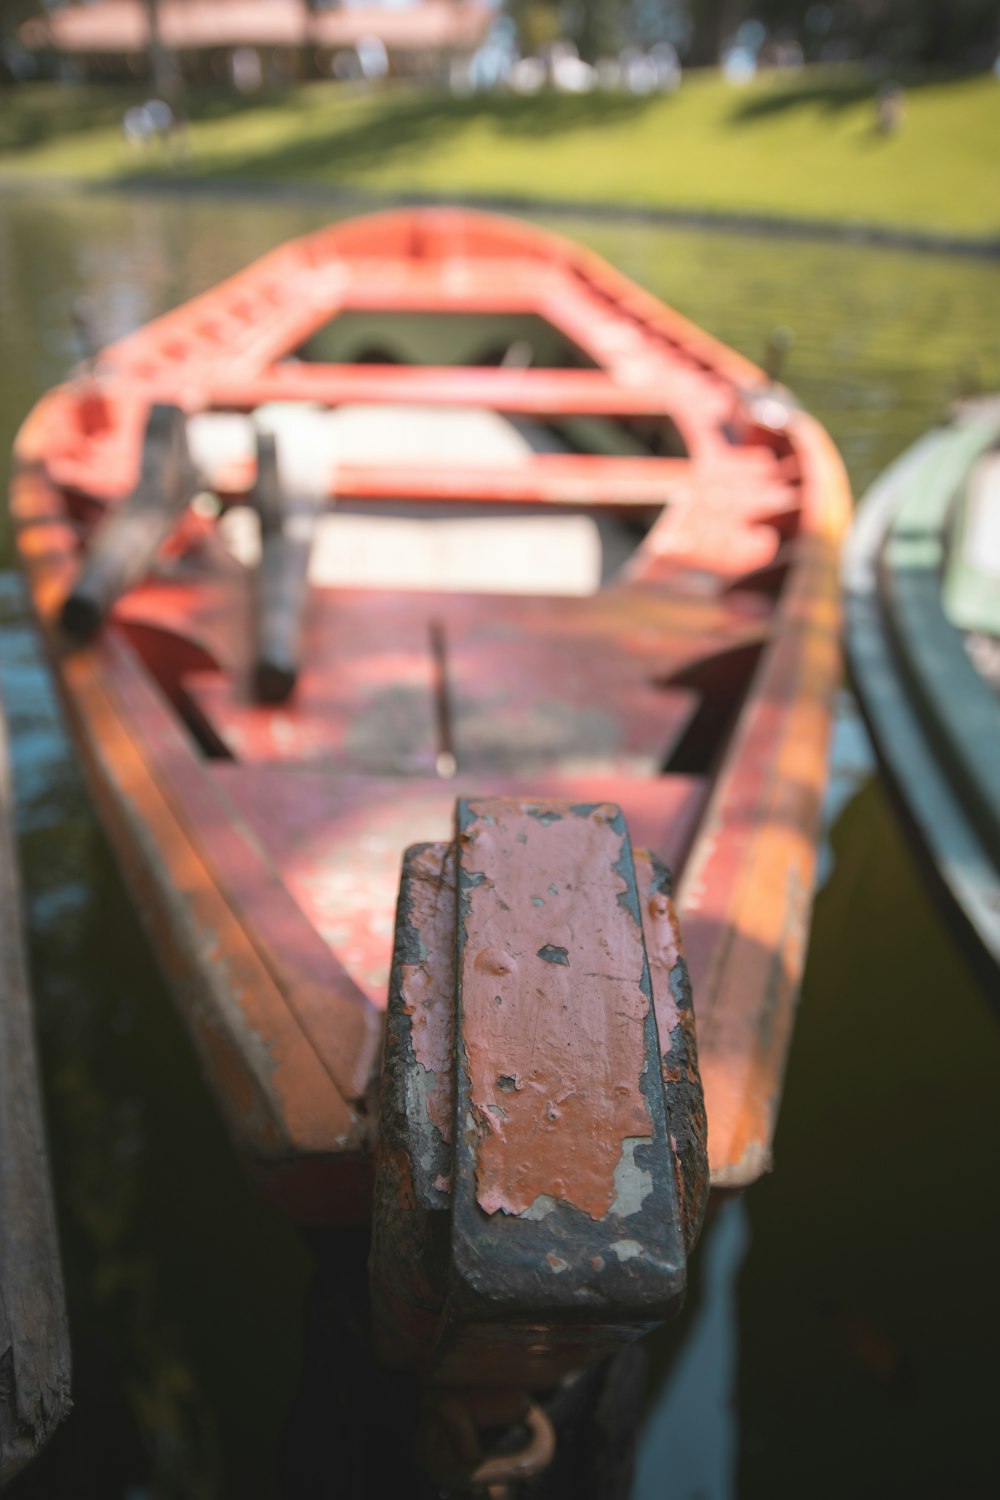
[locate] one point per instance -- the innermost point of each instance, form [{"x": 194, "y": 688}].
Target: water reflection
[
  {"x": 869, "y": 1305},
  {"x": 690, "y": 1449},
  {"x": 868, "y": 1252},
  {"x": 693, "y": 1434},
  {"x": 852, "y": 763},
  {"x": 171, "y": 1262}
]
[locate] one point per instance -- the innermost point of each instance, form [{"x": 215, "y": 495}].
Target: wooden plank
[
  {"x": 335, "y": 842},
  {"x": 34, "y": 1340},
  {"x": 524, "y": 392},
  {"x": 661, "y": 631},
  {"x": 535, "y": 682},
  {"x": 553, "y": 885},
  {"x": 564, "y": 1190},
  {"x": 556, "y": 479},
  {"x": 518, "y": 706},
  {"x": 532, "y": 1260}
]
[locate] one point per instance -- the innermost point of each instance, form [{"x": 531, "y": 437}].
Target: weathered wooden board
[
  {"x": 543, "y": 1167},
  {"x": 34, "y": 1341}
]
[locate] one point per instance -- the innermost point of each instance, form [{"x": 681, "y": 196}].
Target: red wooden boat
[{"x": 374, "y": 408}]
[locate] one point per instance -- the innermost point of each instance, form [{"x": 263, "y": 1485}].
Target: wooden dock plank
[{"x": 34, "y": 1339}]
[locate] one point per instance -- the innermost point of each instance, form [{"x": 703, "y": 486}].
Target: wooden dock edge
[{"x": 34, "y": 1338}]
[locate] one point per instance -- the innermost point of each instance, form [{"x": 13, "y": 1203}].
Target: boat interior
[{"x": 523, "y": 574}]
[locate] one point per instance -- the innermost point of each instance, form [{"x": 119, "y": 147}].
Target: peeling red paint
[
  {"x": 570, "y": 1035},
  {"x": 662, "y": 949},
  {"x": 428, "y": 987}
]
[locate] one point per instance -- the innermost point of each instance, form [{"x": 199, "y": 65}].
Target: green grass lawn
[{"x": 801, "y": 145}]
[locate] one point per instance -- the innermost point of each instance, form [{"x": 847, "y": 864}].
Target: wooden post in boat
[
  {"x": 542, "y": 1168},
  {"x": 124, "y": 546},
  {"x": 34, "y": 1343},
  {"x": 289, "y": 497}
]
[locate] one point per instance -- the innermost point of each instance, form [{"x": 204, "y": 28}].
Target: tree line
[{"x": 955, "y": 33}]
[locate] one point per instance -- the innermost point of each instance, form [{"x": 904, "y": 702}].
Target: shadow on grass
[
  {"x": 30, "y": 118},
  {"x": 33, "y": 115},
  {"x": 399, "y": 131},
  {"x": 831, "y": 95}
]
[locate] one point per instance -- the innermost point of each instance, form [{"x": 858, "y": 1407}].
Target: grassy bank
[{"x": 802, "y": 145}]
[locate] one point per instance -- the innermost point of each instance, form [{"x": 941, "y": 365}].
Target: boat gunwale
[
  {"x": 932, "y": 810},
  {"x": 927, "y": 646}
]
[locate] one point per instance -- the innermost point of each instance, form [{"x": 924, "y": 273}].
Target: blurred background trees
[
  {"x": 12, "y": 14},
  {"x": 896, "y": 33},
  {"x": 931, "y": 32}
]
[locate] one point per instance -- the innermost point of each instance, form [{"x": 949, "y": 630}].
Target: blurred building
[{"x": 256, "y": 41}]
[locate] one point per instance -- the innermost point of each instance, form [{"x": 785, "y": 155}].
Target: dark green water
[{"x": 842, "y": 1337}]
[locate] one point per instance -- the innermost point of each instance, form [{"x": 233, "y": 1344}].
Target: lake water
[{"x": 841, "y": 1335}]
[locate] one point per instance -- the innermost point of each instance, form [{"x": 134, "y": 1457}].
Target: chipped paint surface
[
  {"x": 633, "y": 1184},
  {"x": 437, "y": 1260},
  {"x": 663, "y": 952},
  {"x": 413, "y": 1177},
  {"x": 569, "y": 1029},
  {"x": 540, "y": 1209},
  {"x": 627, "y": 1249},
  {"x": 427, "y": 984},
  {"x": 675, "y": 1022}
]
